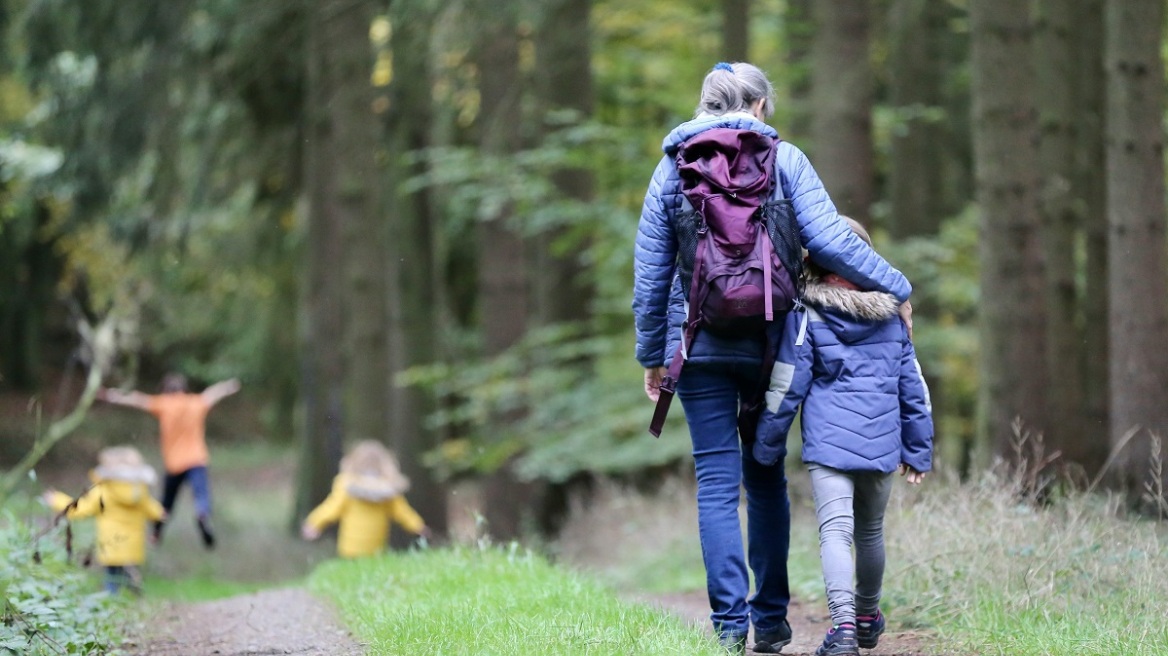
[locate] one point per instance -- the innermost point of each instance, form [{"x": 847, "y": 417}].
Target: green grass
[
  {"x": 994, "y": 575},
  {"x": 492, "y": 601}
]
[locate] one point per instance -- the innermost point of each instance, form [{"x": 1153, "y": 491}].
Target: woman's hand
[
  {"x": 309, "y": 532},
  {"x": 905, "y": 312},
  {"x": 911, "y": 475},
  {"x": 653, "y": 377}
]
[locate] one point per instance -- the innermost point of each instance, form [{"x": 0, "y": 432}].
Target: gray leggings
[{"x": 851, "y": 504}]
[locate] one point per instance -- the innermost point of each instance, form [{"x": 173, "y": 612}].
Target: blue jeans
[
  {"x": 200, "y": 488},
  {"x": 710, "y": 395}
]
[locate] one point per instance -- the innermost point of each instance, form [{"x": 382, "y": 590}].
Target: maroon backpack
[{"x": 739, "y": 256}]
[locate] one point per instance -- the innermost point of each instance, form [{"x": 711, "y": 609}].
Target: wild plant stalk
[
  {"x": 1154, "y": 487},
  {"x": 98, "y": 344}
]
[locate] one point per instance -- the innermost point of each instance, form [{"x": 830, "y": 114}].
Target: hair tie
[{"x": 723, "y": 66}]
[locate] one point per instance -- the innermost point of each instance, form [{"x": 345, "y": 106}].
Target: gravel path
[{"x": 284, "y": 621}]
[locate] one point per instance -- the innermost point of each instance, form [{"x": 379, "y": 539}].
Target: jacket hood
[
  {"x": 122, "y": 492},
  {"x": 372, "y": 488},
  {"x": 735, "y": 120},
  {"x": 851, "y": 314},
  {"x": 125, "y": 474}
]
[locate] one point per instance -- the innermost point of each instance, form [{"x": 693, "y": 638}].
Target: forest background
[{"x": 413, "y": 220}]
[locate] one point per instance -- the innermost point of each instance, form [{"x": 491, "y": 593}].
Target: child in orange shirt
[
  {"x": 182, "y": 419},
  {"x": 367, "y": 495},
  {"x": 120, "y": 499}
]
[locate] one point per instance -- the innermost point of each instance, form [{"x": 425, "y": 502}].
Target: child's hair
[
  {"x": 811, "y": 269},
  {"x": 370, "y": 459},
  {"x": 858, "y": 228},
  {"x": 734, "y": 88},
  {"x": 123, "y": 463},
  {"x": 174, "y": 383}
]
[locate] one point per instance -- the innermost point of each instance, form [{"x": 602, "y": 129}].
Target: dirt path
[
  {"x": 807, "y": 627},
  {"x": 284, "y": 621}
]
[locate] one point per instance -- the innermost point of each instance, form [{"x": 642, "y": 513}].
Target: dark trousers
[{"x": 200, "y": 487}]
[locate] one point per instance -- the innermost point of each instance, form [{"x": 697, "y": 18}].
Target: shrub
[{"x": 47, "y": 604}]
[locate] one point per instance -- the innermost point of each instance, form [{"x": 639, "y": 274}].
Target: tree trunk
[
  {"x": 564, "y": 84},
  {"x": 415, "y": 281},
  {"x": 842, "y": 96},
  {"x": 798, "y": 37},
  {"x": 916, "y": 178},
  {"x": 1056, "y": 65},
  {"x": 356, "y": 134},
  {"x": 1012, "y": 322},
  {"x": 503, "y": 300},
  {"x": 563, "y": 291},
  {"x": 1090, "y": 161},
  {"x": 1135, "y": 210},
  {"x": 322, "y": 361},
  {"x": 736, "y": 30}
]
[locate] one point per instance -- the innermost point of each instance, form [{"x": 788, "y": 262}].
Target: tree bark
[
  {"x": 736, "y": 30},
  {"x": 564, "y": 84},
  {"x": 798, "y": 36},
  {"x": 1059, "y": 201},
  {"x": 322, "y": 362},
  {"x": 842, "y": 96},
  {"x": 1135, "y": 210},
  {"x": 415, "y": 281},
  {"x": 356, "y": 135},
  {"x": 916, "y": 174},
  {"x": 503, "y": 293},
  {"x": 1090, "y": 160},
  {"x": 1012, "y": 321}
]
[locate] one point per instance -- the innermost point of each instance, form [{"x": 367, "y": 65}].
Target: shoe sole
[
  {"x": 870, "y": 641},
  {"x": 770, "y": 647}
]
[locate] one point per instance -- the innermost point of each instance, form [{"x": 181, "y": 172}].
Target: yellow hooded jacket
[
  {"x": 364, "y": 512},
  {"x": 122, "y": 509}
]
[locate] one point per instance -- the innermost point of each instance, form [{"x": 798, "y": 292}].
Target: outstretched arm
[
  {"x": 131, "y": 399},
  {"x": 221, "y": 390}
]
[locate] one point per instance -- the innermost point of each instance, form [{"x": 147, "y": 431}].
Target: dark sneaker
[
  {"x": 773, "y": 641},
  {"x": 869, "y": 628},
  {"x": 839, "y": 641},
  {"x": 733, "y": 643},
  {"x": 207, "y": 533}
]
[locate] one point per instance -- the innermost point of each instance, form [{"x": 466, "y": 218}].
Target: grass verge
[
  {"x": 995, "y": 575},
  {"x": 494, "y": 601}
]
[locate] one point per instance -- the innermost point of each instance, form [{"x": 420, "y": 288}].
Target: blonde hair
[
  {"x": 369, "y": 459},
  {"x": 735, "y": 90}
]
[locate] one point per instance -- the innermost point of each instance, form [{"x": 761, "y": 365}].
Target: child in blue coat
[{"x": 847, "y": 359}]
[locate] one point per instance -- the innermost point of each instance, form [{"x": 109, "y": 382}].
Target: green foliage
[
  {"x": 589, "y": 417},
  {"x": 47, "y": 605},
  {"x": 501, "y": 601}
]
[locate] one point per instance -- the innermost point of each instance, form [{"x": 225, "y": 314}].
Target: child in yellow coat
[
  {"x": 367, "y": 495},
  {"x": 120, "y": 499}
]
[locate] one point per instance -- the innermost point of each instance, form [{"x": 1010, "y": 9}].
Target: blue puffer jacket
[
  {"x": 658, "y": 303},
  {"x": 848, "y": 360}
]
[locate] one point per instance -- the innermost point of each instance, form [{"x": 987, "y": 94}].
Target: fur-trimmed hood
[
  {"x": 374, "y": 488},
  {"x": 851, "y": 314}
]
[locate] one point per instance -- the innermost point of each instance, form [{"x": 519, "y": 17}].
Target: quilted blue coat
[
  {"x": 658, "y": 303},
  {"x": 848, "y": 361}
]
